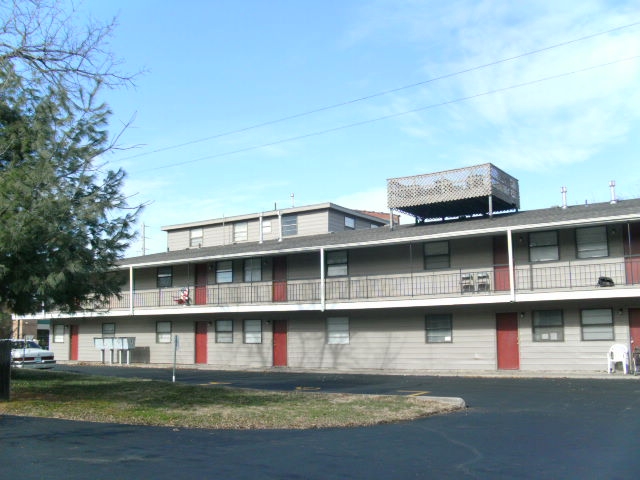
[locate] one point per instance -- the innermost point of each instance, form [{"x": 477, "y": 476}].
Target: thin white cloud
[{"x": 561, "y": 121}]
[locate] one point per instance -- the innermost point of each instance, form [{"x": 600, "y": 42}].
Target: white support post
[
  {"x": 322, "y": 281},
  {"x": 131, "y": 290}
]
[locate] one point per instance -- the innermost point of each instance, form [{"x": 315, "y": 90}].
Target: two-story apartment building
[{"x": 474, "y": 284}]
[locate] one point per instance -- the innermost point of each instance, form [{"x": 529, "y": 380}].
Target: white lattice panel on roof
[{"x": 453, "y": 185}]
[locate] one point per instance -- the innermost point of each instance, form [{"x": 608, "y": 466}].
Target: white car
[{"x": 29, "y": 354}]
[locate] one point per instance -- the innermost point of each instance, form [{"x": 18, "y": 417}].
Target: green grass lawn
[{"x": 146, "y": 402}]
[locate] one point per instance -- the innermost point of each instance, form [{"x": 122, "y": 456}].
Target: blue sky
[{"x": 214, "y": 67}]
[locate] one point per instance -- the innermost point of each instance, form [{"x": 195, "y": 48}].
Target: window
[
  {"x": 253, "y": 331},
  {"x": 591, "y": 242},
  {"x": 548, "y": 326},
  {"x": 439, "y": 328},
  {"x": 58, "y": 334},
  {"x": 195, "y": 237},
  {"x": 266, "y": 227},
  {"x": 224, "y": 272},
  {"x": 597, "y": 324},
  {"x": 253, "y": 270},
  {"x": 108, "y": 329},
  {"x": 224, "y": 331},
  {"x": 337, "y": 264},
  {"x": 543, "y": 246},
  {"x": 289, "y": 225},
  {"x": 163, "y": 332},
  {"x": 240, "y": 232},
  {"x": 338, "y": 331},
  {"x": 165, "y": 277},
  {"x": 436, "y": 255},
  {"x": 349, "y": 223}
]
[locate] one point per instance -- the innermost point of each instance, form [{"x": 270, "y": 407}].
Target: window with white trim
[
  {"x": 543, "y": 246},
  {"x": 337, "y": 263},
  {"x": 597, "y": 324},
  {"x": 163, "y": 332},
  {"x": 224, "y": 331},
  {"x": 253, "y": 270},
  {"x": 164, "y": 277},
  {"x": 252, "y": 331},
  {"x": 195, "y": 237},
  {"x": 591, "y": 242},
  {"x": 224, "y": 271},
  {"x": 338, "y": 330},
  {"x": 240, "y": 232},
  {"x": 289, "y": 225},
  {"x": 548, "y": 326},
  {"x": 436, "y": 255},
  {"x": 58, "y": 334},
  {"x": 439, "y": 328}
]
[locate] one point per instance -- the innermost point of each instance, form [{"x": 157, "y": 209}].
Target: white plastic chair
[{"x": 618, "y": 353}]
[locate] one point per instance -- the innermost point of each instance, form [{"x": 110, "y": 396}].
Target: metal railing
[{"x": 576, "y": 275}]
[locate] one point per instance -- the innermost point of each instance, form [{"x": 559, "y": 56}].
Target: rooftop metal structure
[{"x": 478, "y": 190}]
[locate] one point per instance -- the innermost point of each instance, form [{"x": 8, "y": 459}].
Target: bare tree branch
[{"x": 39, "y": 39}]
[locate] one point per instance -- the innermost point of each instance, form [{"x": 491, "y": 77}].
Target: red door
[
  {"x": 507, "y": 341},
  {"x": 280, "y": 279},
  {"x": 201, "y": 342},
  {"x": 279, "y": 343},
  {"x": 631, "y": 243},
  {"x": 501, "y": 263},
  {"x": 634, "y": 327},
  {"x": 201, "y": 283},
  {"x": 73, "y": 350}
]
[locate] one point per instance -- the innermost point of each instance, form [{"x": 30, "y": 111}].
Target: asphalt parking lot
[{"x": 513, "y": 428}]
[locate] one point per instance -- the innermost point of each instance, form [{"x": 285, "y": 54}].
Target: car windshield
[{"x": 20, "y": 344}]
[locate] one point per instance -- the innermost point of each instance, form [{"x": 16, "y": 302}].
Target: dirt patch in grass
[{"x": 145, "y": 402}]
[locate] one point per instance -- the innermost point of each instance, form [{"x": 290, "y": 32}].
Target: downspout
[
  {"x": 280, "y": 225},
  {"x": 512, "y": 276},
  {"x": 322, "y": 282},
  {"x": 131, "y": 290},
  {"x": 261, "y": 234}
]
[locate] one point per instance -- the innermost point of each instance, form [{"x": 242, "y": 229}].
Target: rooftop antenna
[
  {"x": 293, "y": 203},
  {"x": 563, "y": 190}
]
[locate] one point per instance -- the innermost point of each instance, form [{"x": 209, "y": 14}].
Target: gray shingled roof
[{"x": 555, "y": 217}]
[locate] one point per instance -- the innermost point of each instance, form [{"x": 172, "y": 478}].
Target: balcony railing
[{"x": 578, "y": 275}]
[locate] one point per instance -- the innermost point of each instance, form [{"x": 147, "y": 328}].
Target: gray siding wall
[
  {"x": 303, "y": 266},
  {"x": 336, "y": 221},
  {"x": 393, "y": 339},
  {"x": 573, "y": 353},
  {"x": 386, "y": 260},
  {"x": 177, "y": 240},
  {"x": 313, "y": 223}
]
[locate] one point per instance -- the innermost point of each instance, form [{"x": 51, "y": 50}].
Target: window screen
[
  {"x": 543, "y": 246},
  {"x": 597, "y": 324},
  {"x": 591, "y": 242},
  {"x": 548, "y": 326},
  {"x": 439, "y": 328},
  {"x": 338, "y": 330}
]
